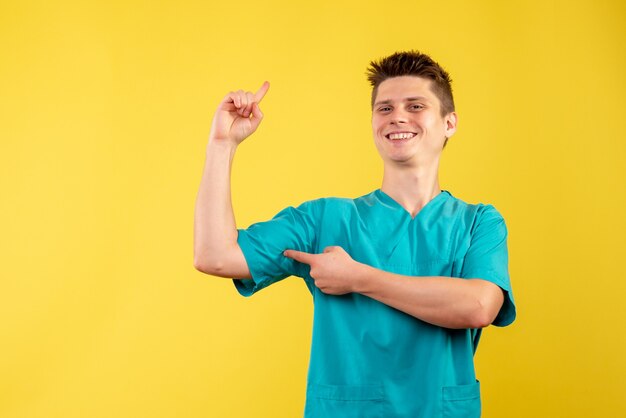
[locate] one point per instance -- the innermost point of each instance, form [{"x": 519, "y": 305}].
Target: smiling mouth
[{"x": 400, "y": 135}]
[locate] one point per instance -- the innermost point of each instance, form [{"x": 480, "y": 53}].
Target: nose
[{"x": 398, "y": 116}]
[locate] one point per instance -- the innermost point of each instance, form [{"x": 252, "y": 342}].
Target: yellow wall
[{"x": 104, "y": 116}]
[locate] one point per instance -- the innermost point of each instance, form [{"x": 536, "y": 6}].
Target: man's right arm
[{"x": 216, "y": 251}]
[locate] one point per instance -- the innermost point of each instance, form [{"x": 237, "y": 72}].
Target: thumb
[
  {"x": 257, "y": 116},
  {"x": 299, "y": 256}
]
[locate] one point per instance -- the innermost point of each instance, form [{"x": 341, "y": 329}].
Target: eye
[
  {"x": 417, "y": 106},
  {"x": 384, "y": 109}
]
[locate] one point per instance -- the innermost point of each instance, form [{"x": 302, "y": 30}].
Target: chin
[{"x": 399, "y": 159}]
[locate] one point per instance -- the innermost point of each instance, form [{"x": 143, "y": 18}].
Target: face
[{"x": 406, "y": 121}]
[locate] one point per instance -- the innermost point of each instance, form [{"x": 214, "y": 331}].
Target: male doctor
[{"x": 403, "y": 278}]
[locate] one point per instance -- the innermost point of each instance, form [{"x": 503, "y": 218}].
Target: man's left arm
[{"x": 443, "y": 301}]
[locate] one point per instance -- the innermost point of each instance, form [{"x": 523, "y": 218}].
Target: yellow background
[{"x": 104, "y": 116}]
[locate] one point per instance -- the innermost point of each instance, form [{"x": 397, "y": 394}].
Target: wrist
[
  {"x": 221, "y": 145},
  {"x": 362, "y": 278}
]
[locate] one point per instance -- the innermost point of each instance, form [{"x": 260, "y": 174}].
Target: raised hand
[{"x": 238, "y": 115}]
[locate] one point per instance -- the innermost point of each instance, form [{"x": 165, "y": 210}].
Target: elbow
[
  {"x": 483, "y": 316},
  {"x": 200, "y": 265},
  {"x": 487, "y": 305},
  {"x": 481, "y": 319},
  {"x": 208, "y": 266}
]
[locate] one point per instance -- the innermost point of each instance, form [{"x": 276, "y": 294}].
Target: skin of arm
[
  {"x": 215, "y": 232},
  {"x": 216, "y": 251},
  {"x": 443, "y": 301}
]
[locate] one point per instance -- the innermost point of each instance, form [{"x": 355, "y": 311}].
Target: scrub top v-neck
[{"x": 367, "y": 358}]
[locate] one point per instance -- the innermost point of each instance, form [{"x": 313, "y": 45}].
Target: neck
[{"x": 412, "y": 187}]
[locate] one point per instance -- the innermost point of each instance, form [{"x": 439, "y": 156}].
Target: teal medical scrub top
[{"x": 367, "y": 358}]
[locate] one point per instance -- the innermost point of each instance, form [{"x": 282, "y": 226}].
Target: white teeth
[{"x": 401, "y": 135}]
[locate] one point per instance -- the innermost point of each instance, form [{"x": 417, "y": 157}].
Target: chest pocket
[
  {"x": 345, "y": 401},
  {"x": 461, "y": 401}
]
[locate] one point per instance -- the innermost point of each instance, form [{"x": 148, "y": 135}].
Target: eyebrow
[{"x": 408, "y": 99}]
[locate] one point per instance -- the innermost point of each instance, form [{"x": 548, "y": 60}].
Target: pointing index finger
[
  {"x": 258, "y": 96},
  {"x": 300, "y": 256}
]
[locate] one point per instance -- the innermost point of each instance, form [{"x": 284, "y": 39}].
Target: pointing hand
[{"x": 334, "y": 271}]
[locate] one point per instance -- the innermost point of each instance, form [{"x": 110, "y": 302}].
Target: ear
[{"x": 450, "y": 121}]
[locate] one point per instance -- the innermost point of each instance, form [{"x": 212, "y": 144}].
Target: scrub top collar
[
  {"x": 387, "y": 222},
  {"x": 393, "y": 204}
]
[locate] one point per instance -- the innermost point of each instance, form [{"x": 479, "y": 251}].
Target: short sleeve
[
  {"x": 487, "y": 258},
  {"x": 263, "y": 243}
]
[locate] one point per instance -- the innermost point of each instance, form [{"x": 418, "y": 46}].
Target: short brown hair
[{"x": 416, "y": 64}]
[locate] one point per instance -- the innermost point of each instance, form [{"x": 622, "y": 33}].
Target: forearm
[
  {"x": 444, "y": 301},
  {"x": 214, "y": 222}
]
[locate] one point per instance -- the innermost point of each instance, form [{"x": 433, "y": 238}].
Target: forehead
[{"x": 397, "y": 89}]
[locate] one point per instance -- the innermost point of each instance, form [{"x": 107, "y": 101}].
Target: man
[{"x": 403, "y": 278}]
